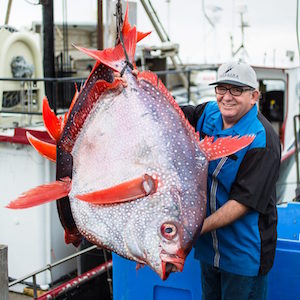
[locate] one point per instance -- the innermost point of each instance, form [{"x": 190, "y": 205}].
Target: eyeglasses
[{"x": 234, "y": 91}]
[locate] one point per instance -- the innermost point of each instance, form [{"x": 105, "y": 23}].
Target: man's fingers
[
  {"x": 117, "y": 74},
  {"x": 135, "y": 72}
]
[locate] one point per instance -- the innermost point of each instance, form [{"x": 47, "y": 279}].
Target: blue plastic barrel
[{"x": 284, "y": 278}]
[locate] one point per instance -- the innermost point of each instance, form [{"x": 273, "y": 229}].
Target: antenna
[
  {"x": 242, "y": 9},
  {"x": 164, "y": 37}
]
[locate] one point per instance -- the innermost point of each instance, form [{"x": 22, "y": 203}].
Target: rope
[
  {"x": 119, "y": 36},
  {"x": 127, "y": 62}
]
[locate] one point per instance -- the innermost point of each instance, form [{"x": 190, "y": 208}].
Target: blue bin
[
  {"x": 132, "y": 284},
  {"x": 284, "y": 278}
]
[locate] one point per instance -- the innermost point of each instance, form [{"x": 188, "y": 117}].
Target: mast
[
  {"x": 163, "y": 36},
  {"x": 48, "y": 49},
  {"x": 100, "y": 25}
]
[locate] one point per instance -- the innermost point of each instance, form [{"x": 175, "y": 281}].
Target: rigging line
[
  {"x": 206, "y": 16},
  {"x": 297, "y": 27},
  {"x": 159, "y": 22}
]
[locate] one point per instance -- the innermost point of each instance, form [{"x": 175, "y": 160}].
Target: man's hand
[
  {"x": 123, "y": 80},
  {"x": 117, "y": 75}
]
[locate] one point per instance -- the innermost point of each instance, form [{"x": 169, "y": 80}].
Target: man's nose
[{"x": 227, "y": 95}]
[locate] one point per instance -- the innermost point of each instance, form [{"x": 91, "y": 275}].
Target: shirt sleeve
[
  {"x": 193, "y": 113},
  {"x": 255, "y": 183}
]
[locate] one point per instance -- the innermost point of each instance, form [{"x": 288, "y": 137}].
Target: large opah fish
[{"x": 131, "y": 171}]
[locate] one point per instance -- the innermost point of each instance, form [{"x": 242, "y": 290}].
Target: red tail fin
[
  {"x": 224, "y": 146},
  {"x": 127, "y": 27},
  {"x": 113, "y": 57},
  {"x": 42, "y": 194}
]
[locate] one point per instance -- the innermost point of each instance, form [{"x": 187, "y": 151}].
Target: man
[{"x": 238, "y": 239}]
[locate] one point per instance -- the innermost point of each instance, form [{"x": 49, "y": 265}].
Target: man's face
[{"x": 235, "y": 103}]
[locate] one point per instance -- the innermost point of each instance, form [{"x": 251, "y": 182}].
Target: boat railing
[
  {"x": 24, "y": 95},
  {"x": 71, "y": 284}
]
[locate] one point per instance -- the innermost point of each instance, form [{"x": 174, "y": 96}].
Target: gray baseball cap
[{"x": 236, "y": 73}]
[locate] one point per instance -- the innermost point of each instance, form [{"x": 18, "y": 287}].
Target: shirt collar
[{"x": 240, "y": 128}]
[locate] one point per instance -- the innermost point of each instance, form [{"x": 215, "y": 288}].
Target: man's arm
[{"x": 225, "y": 215}]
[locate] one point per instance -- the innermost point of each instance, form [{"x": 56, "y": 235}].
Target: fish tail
[
  {"x": 224, "y": 146},
  {"x": 127, "y": 27},
  {"x": 112, "y": 57}
]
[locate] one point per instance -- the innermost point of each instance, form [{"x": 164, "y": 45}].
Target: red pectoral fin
[
  {"x": 127, "y": 191},
  {"x": 42, "y": 194},
  {"x": 224, "y": 146},
  {"x": 46, "y": 149}
]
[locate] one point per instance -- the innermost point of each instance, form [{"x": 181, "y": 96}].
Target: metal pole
[
  {"x": 157, "y": 29},
  {"x": 48, "y": 45},
  {"x": 34, "y": 287},
  {"x": 8, "y": 12},
  {"x": 296, "y": 155},
  {"x": 100, "y": 25},
  {"x": 49, "y": 266},
  {"x": 3, "y": 273},
  {"x": 189, "y": 85},
  {"x": 164, "y": 39}
]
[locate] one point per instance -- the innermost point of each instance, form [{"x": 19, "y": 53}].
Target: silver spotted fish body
[{"x": 131, "y": 132}]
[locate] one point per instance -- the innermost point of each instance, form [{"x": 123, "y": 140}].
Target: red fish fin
[
  {"x": 140, "y": 35},
  {"x": 73, "y": 238},
  {"x": 113, "y": 57},
  {"x": 139, "y": 266},
  {"x": 224, "y": 146},
  {"x": 149, "y": 77},
  {"x": 124, "y": 192},
  {"x": 42, "y": 194},
  {"x": 46, "y": 149},
  {"x": 52, "y": 123},
  {"x": 157, "y": 83},
  {"x": 127, "y": 27}
]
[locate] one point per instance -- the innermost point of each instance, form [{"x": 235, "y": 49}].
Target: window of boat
[{"x": 271, "y": 101}]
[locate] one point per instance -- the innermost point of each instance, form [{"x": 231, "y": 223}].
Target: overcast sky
[{"x": 271, "y": 31}]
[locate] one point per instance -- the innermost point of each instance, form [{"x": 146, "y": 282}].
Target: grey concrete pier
[{"x": 3, "y": 273}]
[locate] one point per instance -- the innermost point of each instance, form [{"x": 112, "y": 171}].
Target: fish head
[{"x": 159, "y": 237}]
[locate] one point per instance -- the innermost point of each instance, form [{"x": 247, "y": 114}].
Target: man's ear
[{"x": 255, "y": 96}]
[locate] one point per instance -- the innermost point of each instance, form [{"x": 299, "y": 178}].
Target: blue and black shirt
[{"x": 247, "y": 246}]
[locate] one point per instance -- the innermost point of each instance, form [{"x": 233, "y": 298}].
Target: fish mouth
[{"x": 171, "y": 263}]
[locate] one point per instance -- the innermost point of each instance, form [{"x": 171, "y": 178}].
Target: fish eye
[{"x": 168, "y": 230}]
